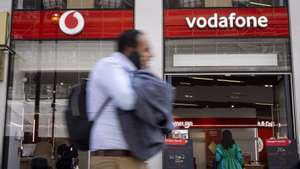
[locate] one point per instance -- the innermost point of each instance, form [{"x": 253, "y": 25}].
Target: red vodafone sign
[
  {"x": 71, "y": 22},
  {"x": 226, "y": 22}
]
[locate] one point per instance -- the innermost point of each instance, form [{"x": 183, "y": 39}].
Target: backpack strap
[{"x": 102, "y": 107}]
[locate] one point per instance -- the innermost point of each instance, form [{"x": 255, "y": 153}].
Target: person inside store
[
  {"x": 67, "y": 156},
  {"x": 40, "y": 163},
  {"x": 228, "y": 153},
  {"x": 42, "y": 155},
  {"x": 297, "y": 166}
]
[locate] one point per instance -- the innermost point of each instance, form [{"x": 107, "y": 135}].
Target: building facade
[{"x": 232, "y": 62}]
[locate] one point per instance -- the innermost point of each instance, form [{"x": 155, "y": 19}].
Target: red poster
[
  {"x": 176, "y": 141},
  {"x": 264, "y": 134},
  {"x": 278, "y": 142}
]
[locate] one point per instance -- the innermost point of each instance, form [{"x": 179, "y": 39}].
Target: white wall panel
[
  {"x": 295, "y": 39},
  {"x": 149, "y": 18}
]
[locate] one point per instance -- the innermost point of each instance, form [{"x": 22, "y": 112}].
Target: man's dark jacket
[{"x": 145, "y": 127}]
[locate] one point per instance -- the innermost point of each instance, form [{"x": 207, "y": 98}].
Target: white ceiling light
[
  {"x": 260, "y": 4},
  {"x": 267, "y": 86},
  {"x": 264, "y": 104},
  {"x": 203, "y": 78},
  {"x": 188, "y": 96},
  {"x": 230, "y": 81},
  {"x": 185, "y": 83},
  {"x": 185, "y": 104}
]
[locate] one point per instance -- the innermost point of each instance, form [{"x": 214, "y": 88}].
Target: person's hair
[
  {"x": 227, "y": 140},
  {"x": 39, "y": 163},
  {"x": 127, "y": 39}
]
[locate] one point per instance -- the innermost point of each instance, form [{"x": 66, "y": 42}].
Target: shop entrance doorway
[{"x": 253, "y": 107}]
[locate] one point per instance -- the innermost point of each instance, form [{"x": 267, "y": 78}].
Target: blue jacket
[{"x": 145, "y": 127}]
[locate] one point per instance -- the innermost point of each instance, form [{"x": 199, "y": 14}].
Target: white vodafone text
[{"x": 231, "y": 21}]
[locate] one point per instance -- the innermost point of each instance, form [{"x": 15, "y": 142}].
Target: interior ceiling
[
  {"x": 254, "y": 80},
  {"x": 202, "y": 91},
  {"x": 65, "y": 77},
  {"x": 225, "y": 91}
]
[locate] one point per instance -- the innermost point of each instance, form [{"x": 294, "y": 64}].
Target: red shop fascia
[
  {"x": 226, "y": 23},
  {"x": 47, "y": 24},
  {"x": 178, "y": 23}
]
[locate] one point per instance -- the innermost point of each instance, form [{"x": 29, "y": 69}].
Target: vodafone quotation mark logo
[{"x": 71, "y": 22}]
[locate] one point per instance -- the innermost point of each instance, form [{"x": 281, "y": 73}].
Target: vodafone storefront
[
  {"x": 229, "y": 60},
  {"x": 55, "y": 49},
  {"x": 231, "y": 67}
]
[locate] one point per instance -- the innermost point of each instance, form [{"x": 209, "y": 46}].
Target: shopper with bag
[{"x": 129, "y": 106}]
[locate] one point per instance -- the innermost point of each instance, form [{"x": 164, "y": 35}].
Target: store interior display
[{"x": 207, "y": 105}]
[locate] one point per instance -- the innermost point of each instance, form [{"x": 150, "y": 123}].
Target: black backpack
[{"x": 78, "y": 125}]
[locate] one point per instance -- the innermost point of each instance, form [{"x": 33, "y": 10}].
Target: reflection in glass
[
  {"x": 42, "y": 75},
  {"x": 223, "y": 3},
  {"x": 73, "y": 4}
]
